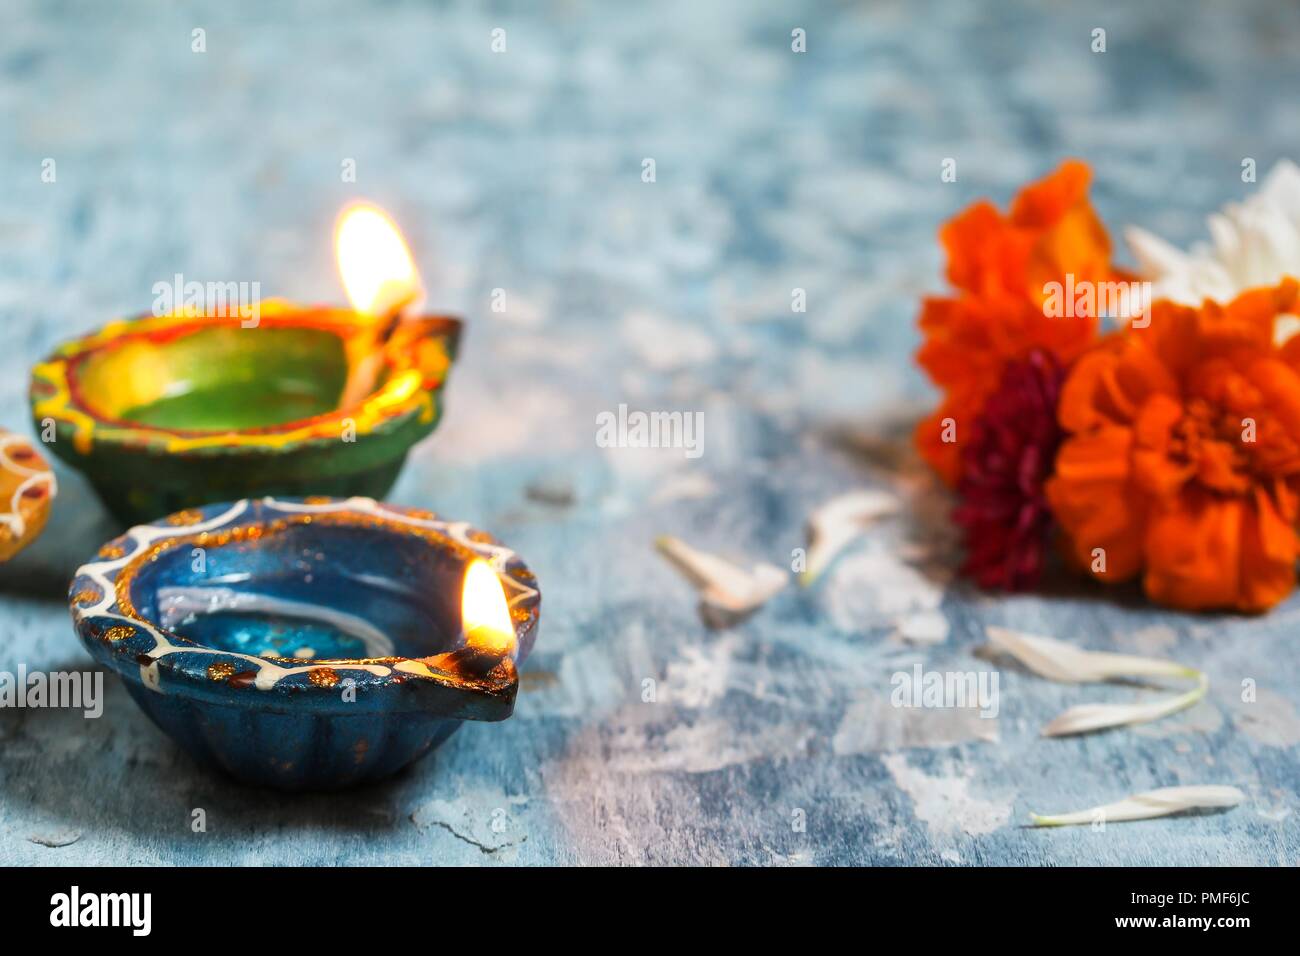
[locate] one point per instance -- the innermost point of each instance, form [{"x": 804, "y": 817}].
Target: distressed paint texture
[{"x": 522, "y": 172}]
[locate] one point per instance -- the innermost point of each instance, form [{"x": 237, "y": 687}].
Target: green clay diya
[{"x": 169, "y": 412}]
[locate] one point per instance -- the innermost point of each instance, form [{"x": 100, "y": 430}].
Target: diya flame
[
  {"x": 382, "y": 283},
  {"x": 374, "y": 262},
  {"x": 484, "y": 612}
]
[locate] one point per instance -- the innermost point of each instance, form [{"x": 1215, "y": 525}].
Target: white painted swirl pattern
[{"x": 267, "y": 672}]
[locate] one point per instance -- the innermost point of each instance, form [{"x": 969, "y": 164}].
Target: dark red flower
[{"x": 1003, "y": 511}]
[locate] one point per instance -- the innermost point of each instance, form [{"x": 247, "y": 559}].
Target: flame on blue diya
[{"x": 303, "y": 643}]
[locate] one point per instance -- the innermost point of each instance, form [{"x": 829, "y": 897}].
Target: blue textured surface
[{"x": 522, "y": 172}]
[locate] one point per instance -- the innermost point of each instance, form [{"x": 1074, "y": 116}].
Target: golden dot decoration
[
  {"x": 221, "y": 670},
  {"x": 323, "y": 676},
  {"x": 86, "y": 596},
  {"x": 183, "y": 519},
  {"x": 112, "y": 551},
  {"x": 118, "y": 632},
  {"x": 318, "y": 499}
]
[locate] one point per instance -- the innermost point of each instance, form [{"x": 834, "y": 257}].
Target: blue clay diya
[{"x": 310, "y": 643}]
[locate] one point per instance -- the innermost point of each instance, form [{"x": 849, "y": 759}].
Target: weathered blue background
[{"x": 521, "y": 171}]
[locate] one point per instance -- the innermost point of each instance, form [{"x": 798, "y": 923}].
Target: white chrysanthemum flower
[{"x": 1253, "y": 243}]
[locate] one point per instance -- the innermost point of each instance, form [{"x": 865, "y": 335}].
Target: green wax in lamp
[{"x": 220, "y": 378}]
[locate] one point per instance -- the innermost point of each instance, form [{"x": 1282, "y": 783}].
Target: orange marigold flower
[
  {"x": 999, "y": 265},
  {"x": 1183, "y": 461}
]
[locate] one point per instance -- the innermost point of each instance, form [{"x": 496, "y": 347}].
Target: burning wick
[
  {"x": 484, "y": 613},
  {"x": 382, "y": 284}
]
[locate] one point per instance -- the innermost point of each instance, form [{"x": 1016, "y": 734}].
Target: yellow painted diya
[
  {"x": 27, "y": 487},
  {"x": 166, "y": 412}
]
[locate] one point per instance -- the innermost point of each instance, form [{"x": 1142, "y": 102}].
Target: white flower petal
[
  {"x": 727, "y": 592},
  {"x": 763, "y": 582},
  {"x": 924, "y": 627},
  {"x": 839, "y": 521},
  {"x": 1284, "y": 328},
  {"x": 1223, "y": 234},
  {"x": 1089, "y": 717},
  {"x": 1253, "y": 243},
  {"x": 1144, "y": 806},
  {"x": 1153, "y": 254},
  {"x": 1281, "y": 187},
  {"x": 1063, "y": 662}
]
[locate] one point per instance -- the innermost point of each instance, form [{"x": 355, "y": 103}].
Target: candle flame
[
  {"x": 374, "y": 262},
  {"x": 484, "y": 613}
]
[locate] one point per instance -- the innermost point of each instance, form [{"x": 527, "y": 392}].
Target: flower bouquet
[{"x": 1145, "y": 425}]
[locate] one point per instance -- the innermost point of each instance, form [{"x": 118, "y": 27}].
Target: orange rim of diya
[{"x": 27, "y": 487}]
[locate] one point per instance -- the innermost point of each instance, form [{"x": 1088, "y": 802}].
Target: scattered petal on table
[
  {"x": 1089, "y": 717},
  {"x": 924, "y": 627},
  {"x": 56, "y": 838},
  {"x": 1063, "y": 662},
  {"x": 1144, "y": 806},
  {"x": 727, "y": 592},
  {"x": 839, "y": 521},
  {"x": 1059, "y": 661}
]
